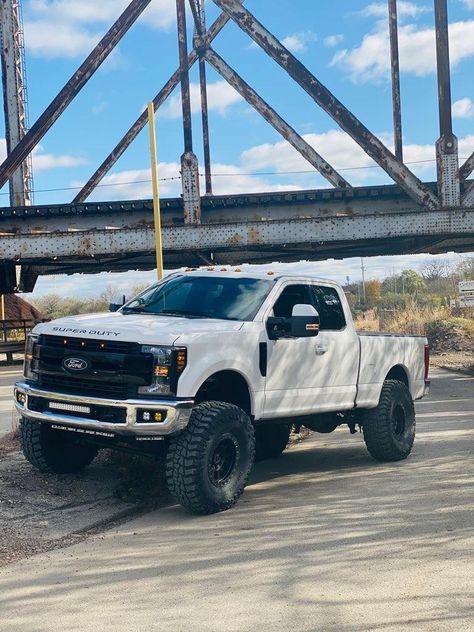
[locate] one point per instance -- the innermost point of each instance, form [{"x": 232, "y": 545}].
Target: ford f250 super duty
[{"x": 212, "y": 368}]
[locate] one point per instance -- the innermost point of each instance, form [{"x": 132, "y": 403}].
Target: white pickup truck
[{"x": 212, "y": 368}]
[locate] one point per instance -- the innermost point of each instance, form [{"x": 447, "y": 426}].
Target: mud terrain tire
[
  {"x": 53, "y": 451},
  {"x": 208, "y": 464},
  {"x": 389, "y": 429}
]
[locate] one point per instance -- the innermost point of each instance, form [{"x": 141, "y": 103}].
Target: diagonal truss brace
[
  {"x": 467, "y": 168},
  {"x": 71, "y": 89},
  {"x": 330, "y": 104},
  {"x": 275, "y": 120},
  {"x": 142, "y": 120}
]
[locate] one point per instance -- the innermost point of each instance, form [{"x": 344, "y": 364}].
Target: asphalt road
[
  {"x": 324, "y": 539},
  {"x": 8, "y": 375}
]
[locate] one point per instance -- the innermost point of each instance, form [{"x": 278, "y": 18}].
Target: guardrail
[{"x": 13, "y": 335}]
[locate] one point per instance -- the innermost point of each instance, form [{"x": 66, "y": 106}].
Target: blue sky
[{"x": 345, "y": 44}]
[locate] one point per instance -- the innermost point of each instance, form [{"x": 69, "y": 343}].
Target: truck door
[{"x": 312, "y": 374}]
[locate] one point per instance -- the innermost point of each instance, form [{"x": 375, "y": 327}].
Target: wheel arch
[
  {"x": 228, "y": 386},
  {"x": 400, "y": 373}
]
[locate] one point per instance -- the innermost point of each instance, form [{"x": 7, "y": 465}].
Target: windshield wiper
[
  {"x": 183, "y": 312},
  {"x": 135, "y": 310}
]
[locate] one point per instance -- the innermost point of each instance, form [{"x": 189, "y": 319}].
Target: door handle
[{"x": 321, "y": 349}]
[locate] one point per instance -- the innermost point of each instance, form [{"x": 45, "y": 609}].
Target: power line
[{"x": 256, "y": 174}]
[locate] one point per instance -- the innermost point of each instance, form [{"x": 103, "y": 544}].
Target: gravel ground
[
  {"x": 455, "y": 360},
  {"x": 39, "y": 512}
]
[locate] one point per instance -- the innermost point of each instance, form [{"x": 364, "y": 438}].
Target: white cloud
[
  {"x": 136, "y": 184},
  {"x": 221, "y": 96},
  {"x": 281, "y": 158},
  {"x": 371, "y": 59},
  {"x": 464, "y": 108},
  {"x": 71, "y": 28},
  {"x": 469, "y": 4},
  {"x": 379, "y": 9},
  {"x": 345, "y": 155},
  {"x": 298, "y": 42},
  {"x": 333, "y": 40},
  {"x": 43, "y": 161}
]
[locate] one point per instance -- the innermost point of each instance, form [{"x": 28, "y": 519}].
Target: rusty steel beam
[
  {"x": 468, "y": 197},
  {"x": 275, "y": 120},
  {"x": 189, "y": 161},
  {"x": 395, "y": 69},
  {"x": 184, "y": 75},
  {"x": 142, "y": 120},
  {"x": 200, "y": 43},
  {"x": 71, "y": 89},
  {"x": 447, "y": 161},
  {"x": 442, "y": 61},
  {"x": 330, "y": 104},
  {"x": 467, "y": 168}
]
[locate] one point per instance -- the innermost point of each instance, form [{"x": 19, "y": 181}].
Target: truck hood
[{"x": 141, "y": 328}]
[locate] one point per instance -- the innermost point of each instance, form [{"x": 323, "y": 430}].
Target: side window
[
  {"x": 329, "y": 307},
  {"x": 292, "y": 295}
]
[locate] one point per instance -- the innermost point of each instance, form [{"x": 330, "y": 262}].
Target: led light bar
[{"x": 73, "y": 408}]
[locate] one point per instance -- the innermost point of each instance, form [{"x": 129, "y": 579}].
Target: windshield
[{"x": 224, "y": 298}]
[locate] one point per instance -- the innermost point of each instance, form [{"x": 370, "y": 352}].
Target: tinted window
[
  {"x": 225, "y": 298},
  {"x": 329, "y": 306},
  {"x": 292, "y": 295}
]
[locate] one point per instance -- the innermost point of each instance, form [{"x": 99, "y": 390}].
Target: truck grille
[
  {"x": 76, "y": 386},
  {"x": 89, "y": 344},
  {"x": 114, "y": 369}
]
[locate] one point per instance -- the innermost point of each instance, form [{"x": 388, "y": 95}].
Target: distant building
[{"x": 18, "y": 309}]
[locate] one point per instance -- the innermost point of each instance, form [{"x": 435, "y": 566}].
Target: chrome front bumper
[{"x": 177, "y": 412}]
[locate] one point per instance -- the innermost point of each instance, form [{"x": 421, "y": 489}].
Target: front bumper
[{"x": 177, "y": 412}]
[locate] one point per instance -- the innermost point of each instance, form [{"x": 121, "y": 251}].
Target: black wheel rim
[
  {"x": 399, "y": 420},
  {"x": 222, "y": 460}
]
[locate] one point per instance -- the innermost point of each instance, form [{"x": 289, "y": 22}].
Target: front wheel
[
  {"x": 208, "y": 464},
  {"x": 389, "y": 429},
  {"x": 53, "y": 451}
]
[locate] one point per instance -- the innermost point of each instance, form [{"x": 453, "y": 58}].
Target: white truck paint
[
  {"x": 280, "y": 349},
  {"x": 338, "y": 370}
]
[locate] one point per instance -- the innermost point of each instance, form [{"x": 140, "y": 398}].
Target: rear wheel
[
  {"x": 389, "y": 429},
  {"x": 208, "y": 464},
  {"x": 54, "y": 451},
  {"x": 271, "y": 440}
]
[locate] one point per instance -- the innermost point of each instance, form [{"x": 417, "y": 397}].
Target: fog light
[
  {"x": 20, "y": 398},
  {"x": 151, "y": 416}
]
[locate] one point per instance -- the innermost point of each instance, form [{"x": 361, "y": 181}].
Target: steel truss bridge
[{"x": 408, "y": 217}]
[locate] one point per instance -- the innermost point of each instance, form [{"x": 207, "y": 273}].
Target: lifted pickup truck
[{"x": 213, "y": 367}]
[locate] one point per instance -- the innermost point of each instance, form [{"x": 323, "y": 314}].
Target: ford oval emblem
[{"x": 76, "y": 365}]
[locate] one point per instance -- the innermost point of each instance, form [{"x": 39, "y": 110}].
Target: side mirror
[
  {"x": 114, "y": 307},
  {"x": 304, "y": 321}
]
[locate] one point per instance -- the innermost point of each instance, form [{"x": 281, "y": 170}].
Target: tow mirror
[{"x": 304, "y": 321}]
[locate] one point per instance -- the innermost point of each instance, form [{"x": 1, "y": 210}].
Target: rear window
[{"x": 330, "y": 308}]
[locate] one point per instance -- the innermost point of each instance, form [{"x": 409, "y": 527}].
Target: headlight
[
  {"x": 28, "y": 365},
  {"x": 169, "y": 363}
]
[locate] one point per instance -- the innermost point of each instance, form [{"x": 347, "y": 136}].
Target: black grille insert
[
  {"x": 112, "y": 369},
  {"x": 106, "y": 414},
  {"x": 89, "y": 344},
  {"x": 76, "y": 386}
]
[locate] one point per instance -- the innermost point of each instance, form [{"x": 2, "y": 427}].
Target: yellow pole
[
  {"x": 156, "y": 191},
  {"x": 2, "y": 307}
]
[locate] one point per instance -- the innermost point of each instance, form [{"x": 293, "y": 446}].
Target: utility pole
[{"x": 15, "y": 99}]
